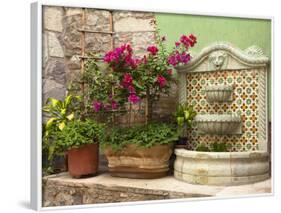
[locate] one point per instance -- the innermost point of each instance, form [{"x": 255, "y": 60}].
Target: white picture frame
[{"x": 36, "y": 95}]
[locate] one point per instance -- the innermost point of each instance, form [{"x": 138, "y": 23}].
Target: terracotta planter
[
  {"x": 138, "y": 162},
  {"x": 83, "y": 161}
]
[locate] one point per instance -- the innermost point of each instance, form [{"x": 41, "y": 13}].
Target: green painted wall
[{"x": 241, "y": 32}]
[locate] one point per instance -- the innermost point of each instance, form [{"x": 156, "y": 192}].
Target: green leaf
[
  {"x": 70, "y": 116},
  {"x": 63, "y": 111},
  {"x": 180, "y": 121},
  {"x": 136, "y": 84},
  {"x": 61, "y": 125},
  {"x": 50, "y": 122},
  {"x": 67, "y": 100},
  {"x": 51, "y": 151},
  {"x": 186, "y": 114},
  {"x": 54, "y": 102}
]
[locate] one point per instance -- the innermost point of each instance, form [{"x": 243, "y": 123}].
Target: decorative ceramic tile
[{"x": 244, "y": 103}]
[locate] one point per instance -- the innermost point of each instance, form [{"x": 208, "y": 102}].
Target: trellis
[{"x": 83, "y": 57}]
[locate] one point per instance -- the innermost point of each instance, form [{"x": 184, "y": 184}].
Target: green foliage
[
  {"x": 143, "y": 136},
  {"x": 219, "y": 147},
  {"x": 184, "y": 116},
  {"x": 78, "y": 133},
  {"x": 60, "y": 112},
  {"x": 153, "y": 67},
  {"x": 215, "y": 147},
  {"x": 202, "y": 148},
  {"x": 100, "y": 83}
]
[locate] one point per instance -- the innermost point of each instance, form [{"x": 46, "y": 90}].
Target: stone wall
[
  {"x": 61, "y": 190},
  {"x": 54, "y": 66},
  {"x": 61, "y": 194},
  {"x": 62, "y": 43}
]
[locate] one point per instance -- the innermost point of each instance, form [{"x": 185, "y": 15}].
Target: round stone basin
[
  {"x": 219, "y": 124},
  {"x": 218, "y": 93},
  {"x": 221, "y": 168}
]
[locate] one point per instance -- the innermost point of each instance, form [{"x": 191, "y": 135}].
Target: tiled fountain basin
[
  {"x": 221, "y": 168},
  {"x": 218, "y": 124}
]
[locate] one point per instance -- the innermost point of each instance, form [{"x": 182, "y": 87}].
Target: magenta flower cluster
[
  {"x": 133, "y": 98},
  {"x": 135, "y": 75},
  {"x": 188, "y": 41},
  {"x": 110, "y": 105},
  {"x": 161, "y": 80},
  {"x": 178, "y": 57},
  {"x": 127, "y": 80},
  {"x": 180, "y": 54},
  {"x": 120, "y": 55},
  {"x": 152, "y": 50},
  {"x": 127, "y": 83}
]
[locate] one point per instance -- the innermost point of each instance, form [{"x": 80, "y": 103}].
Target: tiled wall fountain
[{"x": 227, "y": 87}]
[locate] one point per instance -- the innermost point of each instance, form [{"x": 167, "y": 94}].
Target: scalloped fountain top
[
  {"x": 221, "y": 87},
  {"x": 217, "y": 118}
]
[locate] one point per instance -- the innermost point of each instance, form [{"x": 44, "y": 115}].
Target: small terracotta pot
[{"x": 83, "y": 161}]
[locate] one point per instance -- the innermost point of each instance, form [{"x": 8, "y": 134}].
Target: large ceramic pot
[
  {"x": 139, "y": 162},
  {"x": 83, "y": 161}
]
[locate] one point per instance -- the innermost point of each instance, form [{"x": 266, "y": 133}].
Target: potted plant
[
  {"x": 141, "y": 151},
  {"x": 58, "y": 114},
  {"x": 184, "y": 116},
  {"x": 80, "y": 140}
]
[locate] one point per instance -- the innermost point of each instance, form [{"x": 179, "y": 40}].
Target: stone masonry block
[
  {"x": 54, "y": 46},
  {"x": 52, "y": 18}
]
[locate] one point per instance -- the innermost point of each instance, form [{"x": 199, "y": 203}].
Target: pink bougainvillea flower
[
  {"x": 185, "y": 58},
  {"x": 152, "y": 49},
  {"x": 177, "y": 43},
  {"x": 109, "y": 57},
  {"x": 193, "y": 40},
  {"x": 116, "y": 54},
  {"x": 170, "y": 71},
  {"x": 114, "y": 104},
  {"x": 97, "y": 106},
  {"x": 188, "y": 41},
  {"x": 185, "y": 41},
  {"x": 130, "y": 61},
  {"x": 161, "y": 80},
  {"x": 129, "y": 48},
  {"x": 127, "y": 80},
  {"x": 177, "y": 58},
  {"x": 172, "y": 60},
  {"x": 131, "y": 89},
  {"x": 133, "y": 98}
]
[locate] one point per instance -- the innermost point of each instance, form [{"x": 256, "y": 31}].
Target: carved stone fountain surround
[{"x": 228, "y": 89}]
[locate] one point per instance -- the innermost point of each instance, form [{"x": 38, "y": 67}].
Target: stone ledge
[{"x": 61, "y": 189}]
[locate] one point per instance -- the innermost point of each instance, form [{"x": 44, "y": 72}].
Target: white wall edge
[{"x": 36, "y": 103}]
